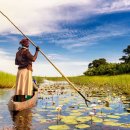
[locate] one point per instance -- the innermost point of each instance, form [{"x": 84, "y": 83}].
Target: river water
[{"x": 61, "y": 108}]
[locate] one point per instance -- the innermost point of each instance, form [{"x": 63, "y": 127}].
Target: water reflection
[
  {"x": 106, "y": 110},
  {"x": 22, "y": 120}
]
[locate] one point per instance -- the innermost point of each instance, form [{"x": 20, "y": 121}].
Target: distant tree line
[{"x": 102, "y": 67}]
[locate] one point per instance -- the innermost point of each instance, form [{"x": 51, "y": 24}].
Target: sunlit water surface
[{"x": 60, "y": 105}]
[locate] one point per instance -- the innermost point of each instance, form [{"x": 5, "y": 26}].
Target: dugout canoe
[{"x": 19, "y": 106}]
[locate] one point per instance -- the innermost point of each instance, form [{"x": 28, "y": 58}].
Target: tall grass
[
  {"x": 38, "y": 79},
  {"x": 118, "y": 82},
  {"x": 99, "y": 80},
  {"x": 7, "y": 80}
]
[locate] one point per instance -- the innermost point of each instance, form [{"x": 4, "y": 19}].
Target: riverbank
[
  {"x": 7, "y": 80},
  {"x": 99, "y": 80},
  {"x": 118, "y": 82}
]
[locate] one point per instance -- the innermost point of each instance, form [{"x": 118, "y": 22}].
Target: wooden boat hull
[{"x": 19, "y": 106}]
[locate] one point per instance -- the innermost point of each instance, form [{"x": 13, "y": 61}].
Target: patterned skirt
[{"x": 24, "y": 85}]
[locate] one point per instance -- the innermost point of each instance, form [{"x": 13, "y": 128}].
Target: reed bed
[
  {"x": 100, "y": 80},
  {"x": 117, "y": 82},
  {"x": 39, "y": 79},
  {"x": 7, "y": 80}
]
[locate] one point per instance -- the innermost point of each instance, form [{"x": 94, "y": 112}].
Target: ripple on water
[{"x": 108, "y": 111}]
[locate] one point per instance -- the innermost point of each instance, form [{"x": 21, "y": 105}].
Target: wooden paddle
[{"x": 73, "y": 86}]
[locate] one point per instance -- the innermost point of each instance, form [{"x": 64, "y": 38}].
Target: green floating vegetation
[
  {"x": 75, "y": 114},
  {"x": 75, "y": 111},
  {"x": 128, "y": 109},
  {"x": 97, "y": 119},
  {"x": 59, "y": 127},
  {"x": 7, "y": 80},
  {"x": 125, "y": 125},
  {"x": 118, "y": 82},
  {"x": 110, "y": 120},
  {"x": 113, "y": 116},
  {"x": 107, "y": 108},
  {"x": 83, "y": 119},
  {"x": 82, "y": 126},
  {"x": 43, "y": 121},
  {"x": 111, "y": 123},
  {"x": 38, "y": 79},
  {"x": 69, "y": 120}
]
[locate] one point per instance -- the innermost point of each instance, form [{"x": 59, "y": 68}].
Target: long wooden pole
[{"x": 73, "y": 86}]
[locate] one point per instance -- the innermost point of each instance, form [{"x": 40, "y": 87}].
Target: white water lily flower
[
  {"x": 91, "y": 113},
  {"x": 93, "y": 105},
  {"x": 58, "y": 108}
]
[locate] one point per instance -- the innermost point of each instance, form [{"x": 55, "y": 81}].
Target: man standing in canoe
[{"x": 24, "y": 59}]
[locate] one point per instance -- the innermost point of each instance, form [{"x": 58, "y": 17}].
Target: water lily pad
[
  {"x": 42, "y": 120},
  {"x": 87, "y": 109},
  {"x": 109, "y": 120},
  {"x": 75, "y": 111},
  {"x": 97, "y": 119},
  {"x": 107, "y": 108},
  {"x": 76, "y": 114},
  {"x": 128, "y": 109},
  {"x": 83, "y": 119},
  {"x": 82, "y": 126},
  {"x": 98, "y": 107},
  {"x": 110, "y": 123},
  {"x": 100, "y": 114},
  {"x": 69, "y": 119},
  {"x": 122, "y": 114},
  {"x": 125, "y": 125},
  {"x": 113, "y": 116},
  {"x": 59, "y": 127}
]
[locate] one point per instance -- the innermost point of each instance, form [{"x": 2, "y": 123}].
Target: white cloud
[
  {"x": 108, "y": 6},
  {"x": 117, "y": 5},
  {"x": 90, "y": 38},
  {"x": 69, "y": 68},
  {"x": 35, "y": 17},
  {"x": 57, "y": 57},
  {"x": 7, "y": 63}
]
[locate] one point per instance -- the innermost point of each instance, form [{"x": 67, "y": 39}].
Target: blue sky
[{"x": 71, "y": 34}]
